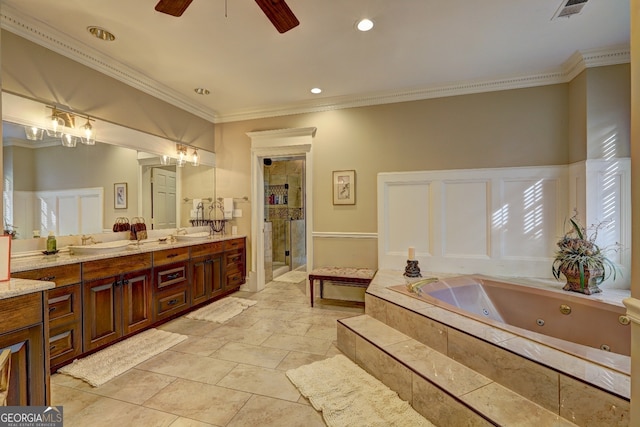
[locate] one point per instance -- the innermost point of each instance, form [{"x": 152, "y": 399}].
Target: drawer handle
[
  {"x": 236, "y": 258},
  {"x": 173, "y": 276},
  {"x": 172, "y": 302},
  {"x": 116, "y": 283},
  {"x": 172, "y": 255},
  {"x": 52, "y": 309},
  {"x": 47, "y": 278},
  {"x": 125, "y": 282},
  {"x": 51, "y": 348}
]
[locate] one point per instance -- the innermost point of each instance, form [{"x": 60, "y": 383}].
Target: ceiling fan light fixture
[
  {"x": 364, "y": 25},
  {"x": 202, "y": 91},
  {"x": 101, "y": 33}
]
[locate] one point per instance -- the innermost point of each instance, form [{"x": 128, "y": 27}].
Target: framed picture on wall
[
  {"x": 344, "y": 187},
  {"x": 120, "y": 195}
]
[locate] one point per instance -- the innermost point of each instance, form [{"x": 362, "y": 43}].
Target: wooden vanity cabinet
[
  {"x": 65, "y": 310},
  {"x": 205, "y": 268},
  {"x": 234, "y": 261},
  {"x": 24, "y": 331},
  {"x": 116, "y": 298}
]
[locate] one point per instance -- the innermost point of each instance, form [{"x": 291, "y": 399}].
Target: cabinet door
[
  {"x": 200, "y": 280},
  {"x": 28, "y": 380},
  {"x": 102, "y": 311},
  {"x": 136, "y": 304},
  {"x": 217, "y": 284}
]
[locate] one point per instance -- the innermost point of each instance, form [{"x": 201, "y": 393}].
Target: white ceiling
[{"x": 418, "y": 48}]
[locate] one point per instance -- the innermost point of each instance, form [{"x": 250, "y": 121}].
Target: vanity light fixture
[
  {"x": 69, "y": 140},
  {"x": 88, "y": 133},
  {"x": 364, "y": 25},
  {"x": 182, "y": 155},
  {"x": 195, "y": 158},
  {"x": 58, "y": 121},
  {"x": 165, "y": 160},
  {"x": 34, "y": 133}
]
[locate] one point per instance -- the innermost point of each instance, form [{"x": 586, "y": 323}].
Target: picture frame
[
  {"x": 344, "y": 187},
  {"x": 120, "y": 195}
]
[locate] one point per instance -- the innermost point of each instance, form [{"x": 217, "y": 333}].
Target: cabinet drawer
[
  {"x": 206, "y": 249},
  {"x": 235, "y": 278},
  {"x": 61, "y": 275},
  {"x": 170, "y": 302},
  {"x": 234, "y": 259},
  {"x": 234, "y": 244},
  {"x": 171, "y": 275},
  {"x": 167, "y": 256},
  {"x": 115, "y": 266},
  {"x": 65, "y": 343},
  {"x": 20, "y": 311},
  {"x": 65, "y": 305}
]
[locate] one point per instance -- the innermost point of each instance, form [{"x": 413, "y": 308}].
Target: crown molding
[
  {"x": 56, "y": 41},
  {"x": 48, "y": 37}
]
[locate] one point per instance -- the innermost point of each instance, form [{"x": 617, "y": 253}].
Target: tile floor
[{"x": 223, "y": 375}]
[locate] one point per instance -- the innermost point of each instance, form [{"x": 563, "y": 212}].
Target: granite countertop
[
  {"x": 16, "y": 287},
  {"x": 33, "y": 260}
]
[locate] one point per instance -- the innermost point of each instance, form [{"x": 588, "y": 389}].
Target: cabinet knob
[
  {"x": 47, "y": 278},
  {"x": 172, "y": 302}
]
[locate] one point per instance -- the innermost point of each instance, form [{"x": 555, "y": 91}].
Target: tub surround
[{"x": 561, "y": 383}]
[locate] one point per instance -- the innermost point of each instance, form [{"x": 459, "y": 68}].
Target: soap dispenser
[{"x": 51, "y": 243}]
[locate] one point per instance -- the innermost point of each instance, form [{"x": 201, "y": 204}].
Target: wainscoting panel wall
[{"x": 494, "y": 221}]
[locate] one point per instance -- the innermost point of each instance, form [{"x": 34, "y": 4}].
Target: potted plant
[{"x": 581, "y": 260}]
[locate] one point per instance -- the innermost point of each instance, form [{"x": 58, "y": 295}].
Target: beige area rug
[
  {"x": 106, "y": 364},
  {"x": 349, "y": 396},
  {"x": 222, "y": 310},
  {"x": 291, "y": 277}
]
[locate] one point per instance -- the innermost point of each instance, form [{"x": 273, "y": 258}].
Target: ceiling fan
[{"x": 277, "y": 11}]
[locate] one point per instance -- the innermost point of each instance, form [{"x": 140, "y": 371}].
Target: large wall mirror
[{"x": 86, "y": 189}]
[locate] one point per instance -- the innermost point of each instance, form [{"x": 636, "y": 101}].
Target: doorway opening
[{"x": 285, "y": 225}]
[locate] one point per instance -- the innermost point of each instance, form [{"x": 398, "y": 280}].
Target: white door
[{"x": 163, "y": 198}]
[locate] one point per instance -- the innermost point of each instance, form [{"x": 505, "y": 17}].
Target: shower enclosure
[{"x": 285, "y": 235}]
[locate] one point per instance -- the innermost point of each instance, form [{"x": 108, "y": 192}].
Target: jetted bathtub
[{"x": 561, "y": 317}]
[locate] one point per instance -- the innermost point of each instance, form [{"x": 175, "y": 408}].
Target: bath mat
[
  {"x": 106, "y": 364},
  {"x": 222, "y": 310},
  {"x": 348, "y": 396},
  {"x": 291, "y": 277}
]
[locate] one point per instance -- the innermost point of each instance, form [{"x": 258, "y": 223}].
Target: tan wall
[
  {"x": 608, "y": 111},
  {"x": 34, "y": 72},
  {"x": 578, "y": 118},
  {"x": 523, "y": 127}
]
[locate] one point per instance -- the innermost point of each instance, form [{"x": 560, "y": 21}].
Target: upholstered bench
[{"x": 341, "y": 276}]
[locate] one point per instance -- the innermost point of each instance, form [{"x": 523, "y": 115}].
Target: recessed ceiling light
[
  {"x": 201, "y": 91},
  {"x": 101, "y": 33},
  {"x": 364, "y": 25},
  {"x": 316, "y": 90}
]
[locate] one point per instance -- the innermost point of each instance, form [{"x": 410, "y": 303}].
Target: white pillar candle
[{"x": 412, "y": 253}]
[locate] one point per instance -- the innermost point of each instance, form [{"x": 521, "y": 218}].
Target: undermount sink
[
  {"x": 100, "y": 248},
  {"x": 192, "y": 236}
]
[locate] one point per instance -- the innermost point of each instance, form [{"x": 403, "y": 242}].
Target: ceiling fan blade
[
  {"x": 173, "y": 7},
  {"x": 279, "y": 14}
]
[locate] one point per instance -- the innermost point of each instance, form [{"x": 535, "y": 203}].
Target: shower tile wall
[{"x": 276, "y": 176}]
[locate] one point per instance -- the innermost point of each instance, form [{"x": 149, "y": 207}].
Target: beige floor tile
[
  {"x": 262, "y": 381},
  {"x": 188, "y": 366},
  {"x": 234, "y": 333},
  {"x": 323, "y": 332},
  {"x": 298, "y": 343},
  {"x": 109, "y": 412},
  {"x": 72, "y": 400},
  {"x": 203, "y": 402},
  {"x": 133, "y": 386},
  {"x": 295, "y": 359},
  {"x": 189, "y": 327},
  {"x": 266, "y": 412},
  {"x": 187, "y": 422},
  {"x": 278, "y": 326},
  {"x": 250, "y": 354},
  {"x": 202, "y": 346}
]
